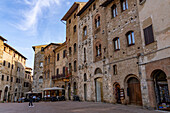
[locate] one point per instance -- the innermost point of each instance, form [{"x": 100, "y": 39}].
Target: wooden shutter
[{"x": 148, "y": 34}]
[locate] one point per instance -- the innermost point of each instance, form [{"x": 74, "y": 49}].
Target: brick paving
[{"x": 71, "y": 107}]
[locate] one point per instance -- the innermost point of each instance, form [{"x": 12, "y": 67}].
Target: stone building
[
  {"x": 92, "y": 52},
  {"x": 124, "y": 47},
  {"x": 155, "y": 58},
  {"x": 28, "y": 80},
  {"x": 49, "y": 64},
  {"x": 71, "y": 44},
  {"x": 12, "y": 71},
  {"x": 38, "y": 68},
  {"x": 59, "y": 78}
]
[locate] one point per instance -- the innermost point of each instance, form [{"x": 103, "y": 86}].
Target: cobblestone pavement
[{"x": 70, "y": 107}]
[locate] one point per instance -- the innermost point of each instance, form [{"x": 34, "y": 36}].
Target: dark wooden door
[{"x": 135, "y": 96}]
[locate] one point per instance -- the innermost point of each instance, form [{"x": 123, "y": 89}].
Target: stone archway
[
  {"x": 6, "y": 94},
  {"x": 133, "y": 90},
  {"x": 99, "y": 89},
  {"x": 116, "y": 92},
  {"x": 160, "y": 88}
]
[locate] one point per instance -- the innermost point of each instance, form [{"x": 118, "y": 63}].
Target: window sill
[
  {"x": 130, "y": 45},
  {"x": 117, "y": 50}
]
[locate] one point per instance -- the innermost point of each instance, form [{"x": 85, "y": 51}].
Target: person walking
[{"x": 31, "y": 101}]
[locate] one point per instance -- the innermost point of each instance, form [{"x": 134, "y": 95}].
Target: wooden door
[
  {"x": 135, "y": 96},
  {"x": 85, "y": 92}
]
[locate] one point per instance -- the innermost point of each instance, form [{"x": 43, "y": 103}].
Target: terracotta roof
[
  {"x": 57, "y": 44},
  {"x": 37, "y": 46},
  {"x": 71, "y": 10},
  {"x": 15, "y": 50},
  {"x": 85, "y": 7},
  {"x": 3, "y": 38}
]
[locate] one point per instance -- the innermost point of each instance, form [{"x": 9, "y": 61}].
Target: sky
[{"x": 26, "y": 23}]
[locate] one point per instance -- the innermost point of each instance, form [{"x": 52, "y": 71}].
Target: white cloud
[{"x": 31, "y": 16}]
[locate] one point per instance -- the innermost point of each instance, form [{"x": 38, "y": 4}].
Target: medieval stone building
[
  {"x": 12, "y": 72},
  {"x": 72, "y": 47},
  {"x": 38, "y": 68}
]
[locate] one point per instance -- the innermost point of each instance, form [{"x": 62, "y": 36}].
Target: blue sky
[{"x": 25, "y": 23}]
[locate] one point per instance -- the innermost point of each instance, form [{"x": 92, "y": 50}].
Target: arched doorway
[
  {"x": 6, "y": 94},
  {"x": 134, "y": 91},
  {"x": 15, "y": 96},
  {"x": 99, "y": 89},
  {"x": 117, "y": 92},
  {"x": 69, "y": 91},
  {"x": 161, "y": 88},
  {"x": 85, "y": 92}
]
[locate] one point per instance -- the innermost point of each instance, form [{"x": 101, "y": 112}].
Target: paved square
[{"x": 70, "y": 107}]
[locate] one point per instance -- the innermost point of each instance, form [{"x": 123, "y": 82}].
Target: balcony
[{"x": 59, "y": 76}]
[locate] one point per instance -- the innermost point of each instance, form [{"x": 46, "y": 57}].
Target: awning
[
  {"x": 53, "y": 88},
  {"x": 30, "y": 92}
]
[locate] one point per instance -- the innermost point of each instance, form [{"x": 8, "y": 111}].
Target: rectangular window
[
  {"x": 41, "y": 64},
  {"x": 75, "y": 66},
  {"x": 18, "y": 69},
  {"x": 8, "y": 65},
  {"x": 7, "y": 78},
  {"x": 64, "y": 53},
  {"x": 12, "y": 66},
  {"x": 58, "y": 57},
  {"x": 116, "y": 42},
  {"x": 4, "y": 63},
  {"x": 74, "y": 28},
  {"x": 57, "y": 72},
  {"x": 70, "y": 68},
  {"x": 148, "y": 34},
  {"x": 2, "y": 78},
  {"x": 124, "y": 5},
  {"x": 11, "y": 79},
  {"x": 69, "y": 50},
  {"x": 114, "y": 69},
  {"x": 131, "y": 38},
  {"x": 64, "y": 70},
  {"x": 114, "y": 11}
]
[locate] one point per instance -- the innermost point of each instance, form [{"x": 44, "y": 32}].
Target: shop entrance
[
  {"x": 134, "y": 91},
  {"x": 161, "y": 89},
  {"x": 117, "y": 93},
  {"x": 99, "y": 89},
  {"x": 69, "y": 91}
]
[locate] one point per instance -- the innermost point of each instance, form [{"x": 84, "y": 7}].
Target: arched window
[
  {"x": 98, "y": 50},
  {"x": 124, "y": 4},
  {"x": 116, "y": 43},
  {"x": 40, "y": 79},
  {"x": 85, "y": 77},
  {"x": 130, "y": 37},
  {"x": 84, "y": 54},
  {"x": 69, "y": 50},
  {"x": 114, "y": 69},
  {"x": 85, "y": 31},
  {"x": 114, "y": 11},
  {"x": 74, "y": 28},
  {"x": 48, "y": 59},
  {"x": 98, "y": 71},
  {"x": 75, "y": 47},
  {"x": 75, "y": 66},
  {"x": 97, "y": 21}
]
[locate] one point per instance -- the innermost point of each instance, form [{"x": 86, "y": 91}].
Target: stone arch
[
  {"x": 98, "y": 71},
  {"x": 159, "y": 90},
  {"x": 116, "y": 93},
  {"x": 133, "y": 90}
]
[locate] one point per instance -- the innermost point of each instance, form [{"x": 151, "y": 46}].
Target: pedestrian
[{"x": 30, "y": 101}]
